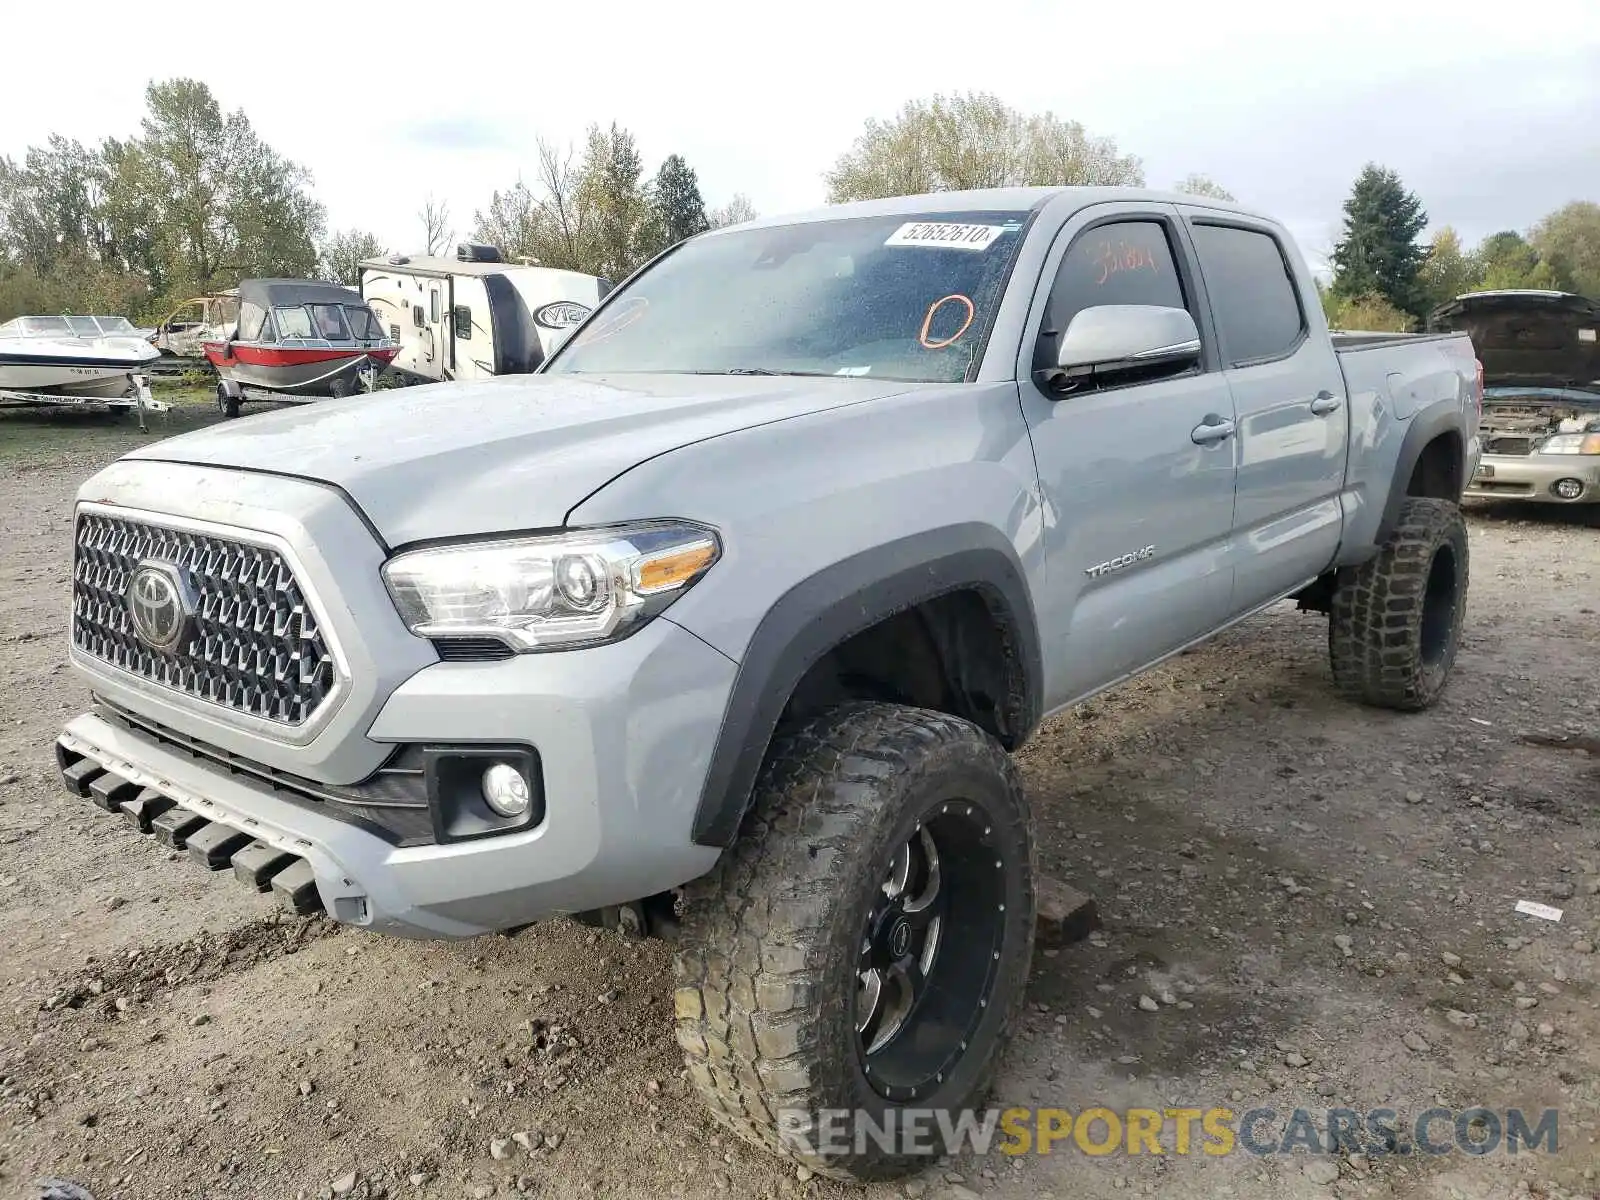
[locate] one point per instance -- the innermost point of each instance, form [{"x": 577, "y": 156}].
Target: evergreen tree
[
  {"x": 1378, "y": 254},
  {"x": 679, "y": 209}
]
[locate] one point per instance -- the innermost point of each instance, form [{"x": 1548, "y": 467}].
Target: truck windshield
[{"x": 904, "y": 297}]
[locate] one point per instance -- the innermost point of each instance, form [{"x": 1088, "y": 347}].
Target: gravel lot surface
[{"x": 1304, "y": 904}]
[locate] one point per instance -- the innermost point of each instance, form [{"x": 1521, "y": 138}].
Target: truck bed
[{"x": 1358, "y": 339}]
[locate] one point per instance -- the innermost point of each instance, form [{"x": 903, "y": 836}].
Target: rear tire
[
  {"x": 1395, "y": 623},
  {"x": 865, "y": 944},
  {"x": 227, "y": 405}
]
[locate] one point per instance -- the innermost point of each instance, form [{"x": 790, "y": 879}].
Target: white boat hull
[
  {"x": 72, "y": 366},
  {"x": 69, "y": 381}
]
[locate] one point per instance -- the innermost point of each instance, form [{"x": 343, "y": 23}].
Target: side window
[
  {"x": 269, "y": 331},
  {"x": 251, "y": 319},
  {"x": 1253, "y": 296},
  {"x": 463, "y": 323},
  {"x": 417, "y": 318},
  {"x": 293, "y": 323},
  {"x": 1125, "y": 262},
  {"x": 433, "y": 306}
]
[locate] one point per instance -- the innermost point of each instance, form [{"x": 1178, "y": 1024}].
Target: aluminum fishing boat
[{"x": 300, "y": 337}]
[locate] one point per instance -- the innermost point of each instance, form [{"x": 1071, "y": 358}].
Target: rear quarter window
[{"x": 1253, "y": 297}]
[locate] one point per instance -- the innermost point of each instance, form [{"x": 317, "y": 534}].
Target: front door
[
  {"x": 1137, "y": 477},
  {"x": 1294, "y": 417}
]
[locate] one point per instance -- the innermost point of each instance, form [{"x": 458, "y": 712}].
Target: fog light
[
  {"x": 1568, "y": 489},
  {"x": 505, "y": 790}
]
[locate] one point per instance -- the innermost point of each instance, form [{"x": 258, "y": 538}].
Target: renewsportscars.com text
[{"x": 1212, "y": 1132}]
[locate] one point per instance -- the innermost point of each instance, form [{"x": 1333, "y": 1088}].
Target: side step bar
[{"x": 212, "y": 844}]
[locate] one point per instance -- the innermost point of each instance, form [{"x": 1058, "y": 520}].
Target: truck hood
[
  {"x": 1529, "y": 338},
  {"x": 513, "y": 453}
]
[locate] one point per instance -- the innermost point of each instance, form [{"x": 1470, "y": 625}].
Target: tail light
[{"x": 1478, "y": 363}]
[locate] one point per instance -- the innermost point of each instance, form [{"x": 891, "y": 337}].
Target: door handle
[
  {"x": 1325, "y": 403},
  {"x": 1212, "y": 430}
]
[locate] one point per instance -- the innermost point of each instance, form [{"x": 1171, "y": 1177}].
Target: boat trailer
[
  {"x": 137, "y": 398},
  {"x": 231, "y": 395}
]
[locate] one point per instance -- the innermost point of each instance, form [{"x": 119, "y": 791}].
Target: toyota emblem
[{"x": 159, "y": 606}]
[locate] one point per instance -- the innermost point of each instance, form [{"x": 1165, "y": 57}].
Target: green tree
[
  {"x": 51, "y": 206},
  {"x": 1448, "y": 271},
  {"x": 948, "y": 143},
  {"x": 677, "y": 207},
  {"x": 545, "y": 222},
  {"x": 617, "y": 210},
  {"x": 1569, "y": 240},
  {"x": 1508, "y": 261},
  {"x": 226, "y": 205},
  {"x": 1203, "y": 185},
  {"x": 343, "y": 253},
  {"x": 1378, "y": 254},
  {"x": 1367, "y": 314}
]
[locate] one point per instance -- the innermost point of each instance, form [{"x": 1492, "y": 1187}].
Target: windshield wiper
[{"x": 766, "y": 371}]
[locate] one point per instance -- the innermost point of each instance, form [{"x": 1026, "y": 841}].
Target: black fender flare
[
  {"x": 1424, "y": 427},
  {"x": 828, "y": 608}
]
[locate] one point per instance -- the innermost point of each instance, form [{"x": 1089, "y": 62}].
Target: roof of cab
[{"x": 1012, "y": 199}]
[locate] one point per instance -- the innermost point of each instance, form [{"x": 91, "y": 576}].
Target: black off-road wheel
[
  {"x": 1395, "y": 623},
  {"x": 863, "y": 947}
]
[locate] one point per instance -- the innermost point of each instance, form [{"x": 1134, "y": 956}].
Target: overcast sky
[{"x": 1492, "y": 115}]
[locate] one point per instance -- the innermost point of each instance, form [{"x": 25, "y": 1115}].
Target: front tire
[
  {"x": 1395, "y": 622},
  {"x": 864, "y": 945}
]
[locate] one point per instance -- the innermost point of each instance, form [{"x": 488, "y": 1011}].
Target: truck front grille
[{"x": 252, "y": 645}]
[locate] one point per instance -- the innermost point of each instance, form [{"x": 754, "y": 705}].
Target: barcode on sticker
[
  {"x": 1534, "y": 909},
  {"x": 944, "y": 234}
]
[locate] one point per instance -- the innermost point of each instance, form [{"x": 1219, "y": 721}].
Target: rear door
[
  {"x": 1289, "y": 394},
  {"x": 1137, "y": 478}
]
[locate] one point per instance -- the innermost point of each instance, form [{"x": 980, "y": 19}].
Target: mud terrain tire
[
  {"x": 769, "y": 972},
  {"x": 1395, "y": 623}
]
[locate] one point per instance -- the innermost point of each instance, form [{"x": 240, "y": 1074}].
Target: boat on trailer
[
  {"x": 298, "y": 339},
  {"x": 44, "y": 356}
]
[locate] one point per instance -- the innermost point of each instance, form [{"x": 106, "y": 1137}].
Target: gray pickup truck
[{"x": 722, "y": 624}]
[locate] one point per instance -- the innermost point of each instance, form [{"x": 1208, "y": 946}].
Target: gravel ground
[{"x": 1304, "y": 903}]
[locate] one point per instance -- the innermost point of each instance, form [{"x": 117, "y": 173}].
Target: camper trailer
[{"x": 474, "y": 315}]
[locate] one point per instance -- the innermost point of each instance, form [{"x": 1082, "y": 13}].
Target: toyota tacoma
[{"x": 724, "y": 622}]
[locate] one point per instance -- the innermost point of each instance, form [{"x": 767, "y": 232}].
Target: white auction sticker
[
  {"x": 945, "y": 235},
  {"x": 1534, "y": 909}
]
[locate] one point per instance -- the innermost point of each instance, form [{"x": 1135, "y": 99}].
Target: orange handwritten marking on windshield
[
  {"x": 625, "y": 314},
  {"x": 929, "y": 343},
  {"x": 1123, "y": 257}
]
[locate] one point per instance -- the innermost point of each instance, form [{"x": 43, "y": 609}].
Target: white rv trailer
[{"x": 474, "y": 315}]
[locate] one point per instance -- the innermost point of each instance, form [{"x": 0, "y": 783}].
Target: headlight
[
  {"x": 1572, "y": 443},
  {"x": 554, "y": 592}
]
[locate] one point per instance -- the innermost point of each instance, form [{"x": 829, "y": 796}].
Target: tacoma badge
[{"x": 1120, "y": 561}]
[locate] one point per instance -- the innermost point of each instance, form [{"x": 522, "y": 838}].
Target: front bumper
[
  {"x": 625, "y": 735},
  {"x": 1532, "y": 477}
]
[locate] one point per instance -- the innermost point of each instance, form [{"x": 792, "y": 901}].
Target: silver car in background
[{"x": 1541, "y": 405}]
